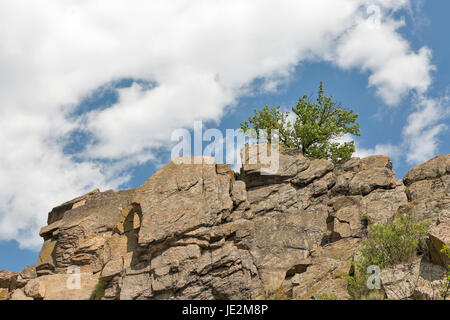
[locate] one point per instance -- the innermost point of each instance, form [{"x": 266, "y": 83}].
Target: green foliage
[
  {"x": 325, "y": 296},
  {"x": 99, "y": 290},
  {"x": 357, "y": 287},
  {"x": 387, "y": 245},
  {"x": 268, "y": 119},
  {"x": 393, "y": 243},
  {"x": 445, "y": 293},
  {"x": 314, "y": 130}
]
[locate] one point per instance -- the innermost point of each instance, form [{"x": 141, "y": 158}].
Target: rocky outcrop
[
  {"x": 12, "y": 281},
  {"x": 19, "y": 295},
  {"x": 325, "y": 271},
  {"x": 7, "y": 283},
  {"x": 197, "y": 230},
  {"x": 438, "y": 236},
  {"x": 28, "y": 273},
  {"x": 79, "y": 235},
  {"x": 428, "y": 189},
  {"x": 420, "y": 280}
]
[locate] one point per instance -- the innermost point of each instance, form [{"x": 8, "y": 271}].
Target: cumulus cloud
[
  {"x": 424, "y": 128},
  {"x": 374, "y": 45},
  {"x": 202, "y": 56},
  {"x": 421, "y": 135}
]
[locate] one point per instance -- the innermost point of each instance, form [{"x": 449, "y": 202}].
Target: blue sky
[{"x": 95, "y": 102}]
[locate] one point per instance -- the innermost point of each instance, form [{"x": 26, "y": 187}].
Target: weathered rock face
[
  {"x": 183, "y": 197},
  {"x": 78, "y": 236},
  {"x": 325, "y": 271},
  {"x": 438, "y": 236},
  {"x": 428, "y": 189},
  {"x": 196, "y": 230},
  {"x": 420, "y": 280},
  {"x": 7, "y": 283}
]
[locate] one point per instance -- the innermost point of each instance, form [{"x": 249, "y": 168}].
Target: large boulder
[
  {"x": 8, "y": 279},
  {"x": 35, "y": 289},
  {"x": 428, "y": 190},
  {"x": 432, "y": 169},
  {"x": 182, "y": 197},
  {"x": 29, "y": 272},
  {"x": 78, "y": 236},
  {"x": 430, "y": 179},
  {"x": 19, "y": 295},
  {"x": 8, "y": 283}
]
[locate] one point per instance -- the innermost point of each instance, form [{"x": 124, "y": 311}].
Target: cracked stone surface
[{"x": 200, "y": 231}]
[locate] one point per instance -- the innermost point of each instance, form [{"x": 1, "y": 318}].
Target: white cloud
[
  {"x": 420, "y": 136},
  {"x": 203, "y": 55},
  {"x": 424, "y": 127},
  {"x": 376, "y": 47}
]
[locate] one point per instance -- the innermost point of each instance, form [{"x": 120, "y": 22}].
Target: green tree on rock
[{"x": 314, "y": 129}]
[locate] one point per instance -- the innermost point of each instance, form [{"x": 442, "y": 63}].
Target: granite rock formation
[{"x": 201, "y": 231}]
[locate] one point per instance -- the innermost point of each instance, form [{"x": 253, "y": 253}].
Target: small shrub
[
  {"x": 387, "y": 245},
  {"x": 356, "y": 285},
  {"x": 358, "y": 290},
  {"x": 393, "y": 243},
  {"x": 99, "y": 290}
]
